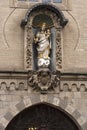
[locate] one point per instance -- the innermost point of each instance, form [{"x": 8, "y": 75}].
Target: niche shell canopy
[{"x": 50, "y": 7}]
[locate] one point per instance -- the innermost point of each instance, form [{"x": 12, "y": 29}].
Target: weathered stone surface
[
  {"x": 2, "y": 127},
  {"x": 56, "y": 101},
  {"x": 74, "y": 45},
  {"x": 84, "y": 126},
  {"x": 20, "y": 106},
  {"x": 4, "y": 122},
  {"x": 8, "y": 116},
  {"x": 27, "y": 102},
  {"x": 76, "y": 114},
  {"x": 35, "y": 98},
  {"x": 63, "y": 103},
  {"x": 74, "y": 48},
  {"x": 50, "y": 98}
]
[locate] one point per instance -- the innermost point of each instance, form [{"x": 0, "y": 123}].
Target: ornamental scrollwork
[
  {"x": 58, "y": 48},
  {"x": 28, "y": 46}
]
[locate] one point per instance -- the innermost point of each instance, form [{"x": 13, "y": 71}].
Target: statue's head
[{"x": 43, "y": 27}]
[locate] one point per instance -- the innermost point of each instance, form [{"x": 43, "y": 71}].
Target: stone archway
[
  {"x": 41, "y": 117},
  {"x": 71, "y": 112}
]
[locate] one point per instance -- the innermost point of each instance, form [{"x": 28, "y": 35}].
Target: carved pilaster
[
  {"x": 28, "y": 46},
  {"x": 58, "y": 48}
]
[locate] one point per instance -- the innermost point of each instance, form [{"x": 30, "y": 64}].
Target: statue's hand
[{"x": 35, "y": 40}]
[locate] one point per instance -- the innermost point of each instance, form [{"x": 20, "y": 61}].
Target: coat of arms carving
[{"x": 44, "y": 80}]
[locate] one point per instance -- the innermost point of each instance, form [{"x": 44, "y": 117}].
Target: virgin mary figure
[{"x": 42, "y": 39}]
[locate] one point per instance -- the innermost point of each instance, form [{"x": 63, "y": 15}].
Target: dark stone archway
[{"x": 42, "y": 117}]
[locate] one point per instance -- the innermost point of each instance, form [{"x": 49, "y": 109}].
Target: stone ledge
[
  {"x": 64, "y": 5},
  {"x": 11, "y": 81}
]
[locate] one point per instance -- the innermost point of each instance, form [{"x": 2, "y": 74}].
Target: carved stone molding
[
  {"x": 58, "y": 48},
  {"x": 73, "y": 86},
  {"x": 44, "y": 80},
  {"x": 13, "y": 85},
  {"x": 28, "y": 46},
  {"x": 23, "y": 85}
]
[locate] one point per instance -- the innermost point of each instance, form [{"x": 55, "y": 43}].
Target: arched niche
[
  {"x": 55, "y": 20},
  {"x": 37, "y": 22},
  {"x": 43, "y": 117}
]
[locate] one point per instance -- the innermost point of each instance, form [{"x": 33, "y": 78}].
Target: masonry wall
[
  {"x": 74, "y": 58},
  {"x": 74, "y": 37}
]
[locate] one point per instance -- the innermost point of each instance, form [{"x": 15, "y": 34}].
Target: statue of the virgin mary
[{"x": 42, "y": 39}]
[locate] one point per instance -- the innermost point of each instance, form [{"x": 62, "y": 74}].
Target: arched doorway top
[
  {"x": 60, "y": 104},
  {"x": 42, "y": 116},
  {"x": 50, "y": 7}
]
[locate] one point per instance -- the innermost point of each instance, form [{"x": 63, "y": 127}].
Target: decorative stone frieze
[
  {"x": 13, "y": 85},
  {"x": 65, "y": 86},
  {"x": 36, "y": 79}
]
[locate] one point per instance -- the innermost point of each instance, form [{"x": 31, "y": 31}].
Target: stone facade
[{"x": 15, "y": 93}]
